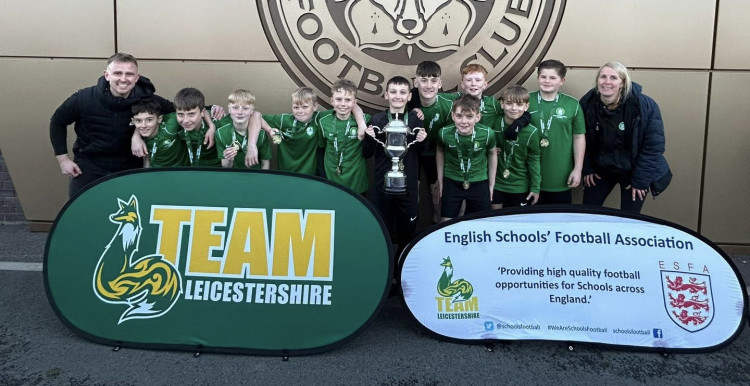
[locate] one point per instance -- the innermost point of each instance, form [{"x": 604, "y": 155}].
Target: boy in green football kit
[
  {"x": 189, "y": 109},
  {"x": 466, "y": 160},
  {"x": 474, "y": 82},
  {"x": 233, "y": 131},
  {"x": 297, "y": 150},
  {"x": 436, "y": 110},
  {"x": 342, "y": 136},
  {"x": 164, "y": 148},
  {"x": 562, "y": 134},
  {"x": 518, "y": 176}
]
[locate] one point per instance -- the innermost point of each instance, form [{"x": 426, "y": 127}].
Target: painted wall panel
[
  {"x": 672, "y": 56},
  {"x": 32, "y": 90},
  {"x": 725, "y": 209},
  {"x": 682, "y": 98},
  {"x": 732, "y": 29},
  {"x": 80, "y": 28},
  {"x": 192, "y": 29},
  {"x": 640, "y": 33},
  {"x": 268, "y": 81}
]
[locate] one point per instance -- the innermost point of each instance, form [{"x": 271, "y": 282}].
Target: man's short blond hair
[
  {"x": 303, "y": 95},
  {"x": 242, "y": 97}
]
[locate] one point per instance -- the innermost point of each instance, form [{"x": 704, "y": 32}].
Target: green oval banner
[{"x": 217, "y": 260}]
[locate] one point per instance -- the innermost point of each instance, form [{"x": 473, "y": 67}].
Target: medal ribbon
[
  {"x": 243, "y": 146},
  {"x": 545, "y": 129},
  {"x": 460, "y": 153},
  {"x": 507, "y": 156},
  {"x": 336, "y": 141}
]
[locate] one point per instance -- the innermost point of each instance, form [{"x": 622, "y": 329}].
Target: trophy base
[{"x": 395, "y": 183}]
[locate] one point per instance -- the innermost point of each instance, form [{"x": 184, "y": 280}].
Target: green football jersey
[
  {"x": 343, "y": 161},
  {"x": 489, "y": 107},
  {"x": 517, "y": 161},
  {"x": 198, "y": 153},
  {"x": 465, "y": 156},
  {"x": 165, "y": 149},
  {"x": 436, "y": 116},
  {"x": 558, "y": 121},
  {"x": 297, "y": 151},
  {"x": 227, "y": 136}
]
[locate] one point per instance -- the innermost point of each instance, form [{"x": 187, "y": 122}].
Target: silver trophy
[{"x": 395, "y": 146}]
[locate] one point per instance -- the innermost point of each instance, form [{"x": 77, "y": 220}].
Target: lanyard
[
  {"x": 460, "y": 153},
  {"x": 406, "y": 118},
  {"x": 512, "y": 144},
  {"x": 545, "y": 129},
  {"x": 194, "y": 160},
  {"x": 153, "y": 148},
  {"x": 243, "y": 146},
  {"x": 336, "y": 141}
]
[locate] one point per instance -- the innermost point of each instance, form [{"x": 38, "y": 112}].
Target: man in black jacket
[{"x": 102, "y": 117}]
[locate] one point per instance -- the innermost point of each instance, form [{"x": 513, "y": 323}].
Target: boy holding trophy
[{"x": 396, "y": 140}]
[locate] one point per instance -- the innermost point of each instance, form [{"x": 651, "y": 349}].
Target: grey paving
[{"x": 37, "y": 349}]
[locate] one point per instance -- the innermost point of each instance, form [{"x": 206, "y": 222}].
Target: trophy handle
[
  {"x": 378, "y": 130},
  {"x": 414, "y": 131}
]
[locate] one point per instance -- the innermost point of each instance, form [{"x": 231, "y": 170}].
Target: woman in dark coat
[{"x": 624, "y": 141}]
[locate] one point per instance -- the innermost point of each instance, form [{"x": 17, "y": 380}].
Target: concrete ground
[{"x": 37, "y": 349}]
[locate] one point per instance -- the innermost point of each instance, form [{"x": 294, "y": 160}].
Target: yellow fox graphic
[{"x": 149, "y": 286}]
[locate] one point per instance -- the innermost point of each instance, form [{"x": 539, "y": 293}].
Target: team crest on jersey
[
  {"x": 688, "y": 299},
  {"x": 309, "y": 131},
  {"x": 370, "y": 41},
  {"x": 560, "y": 112}
]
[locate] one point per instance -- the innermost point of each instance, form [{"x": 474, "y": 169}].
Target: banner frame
[
  {"x": 208, "y": 349},
  {"x": 582, "y": 209}
]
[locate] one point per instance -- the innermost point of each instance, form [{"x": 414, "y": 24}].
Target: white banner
[{"x": 583, "y": 277}]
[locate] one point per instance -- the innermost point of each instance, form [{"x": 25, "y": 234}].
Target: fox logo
[{"x": 150, "y": 285}]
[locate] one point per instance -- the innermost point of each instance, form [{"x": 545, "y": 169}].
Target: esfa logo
[
  {"x": 148, "y": 285},
  {"x": 688, "y": 299},
  {"x": 369, "y": 41}
]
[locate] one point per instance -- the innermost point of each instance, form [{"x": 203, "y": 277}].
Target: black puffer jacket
[
  {"x": 102, "y": 121},
  {"x": 650, "y": 168}
]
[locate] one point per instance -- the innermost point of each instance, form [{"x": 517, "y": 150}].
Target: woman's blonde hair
[{"x": 623, "y": 73}]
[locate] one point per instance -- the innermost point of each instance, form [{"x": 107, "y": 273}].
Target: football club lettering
[{"x": 369, "y": 41}]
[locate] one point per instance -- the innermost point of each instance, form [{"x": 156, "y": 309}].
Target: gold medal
[
  {"x": 236, "y": 146},
  {"x": 338, "y": 170},
  {"x": 277, "y": 138},
  {"x": 401, "y": 166},
  {"x": 544, "y": 142},
  {"x": 466, "y": 185},
  {"x": 506, "y": 173}
]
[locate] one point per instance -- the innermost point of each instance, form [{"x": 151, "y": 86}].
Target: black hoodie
[{"x": 102, "y": 122}]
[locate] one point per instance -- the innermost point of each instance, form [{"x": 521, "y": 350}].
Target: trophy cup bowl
[{"x": 395, "y": 146}]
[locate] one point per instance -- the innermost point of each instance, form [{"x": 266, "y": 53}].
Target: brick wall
[{"x": 10, "y": 208}]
